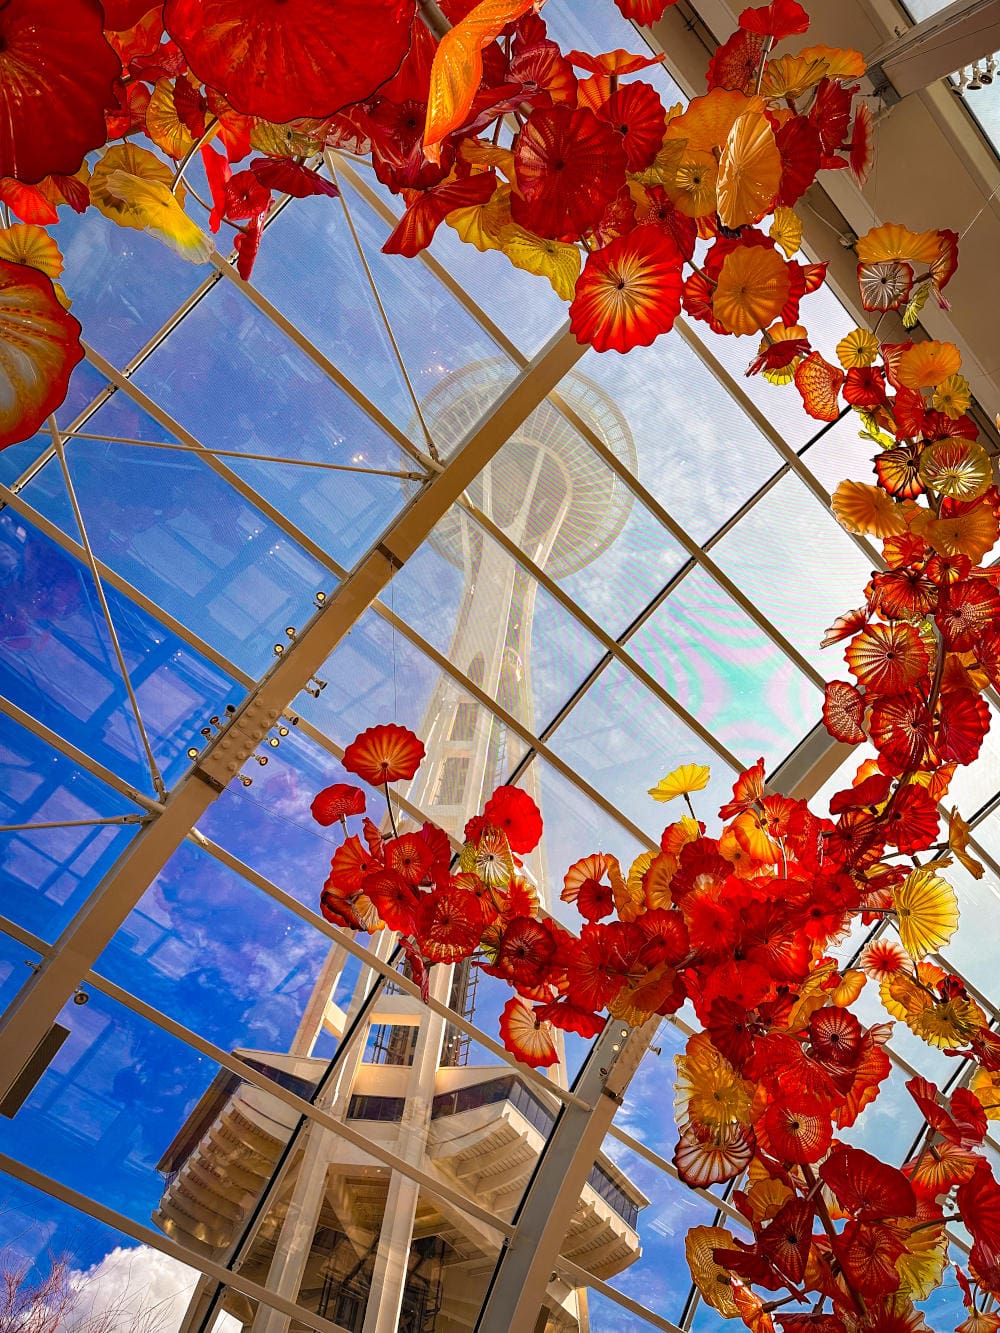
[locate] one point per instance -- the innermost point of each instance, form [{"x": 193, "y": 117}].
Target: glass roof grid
[
  {"x": 613, "y": 645},
  {"x": 694, "y": 550},
  {"x": 375, "y": 201}
]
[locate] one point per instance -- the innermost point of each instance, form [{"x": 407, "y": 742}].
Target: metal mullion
[
  {"x": 84, "y": 761},
  {"x": 159, "y": 786},
  {"x": 579, "y": 1277},
  {"x": 611, "y": 645},
  {"x": 243, "y": 488},
  {"x": 371, "y": 959},
  {"x": 296, "y": 1103},
  {"x": 323, "y": 363},
  {"x": 533, "y": 742},
  {"x": 156, "y": 1240},
  {"x": 104, "y": 822},
  {"x": 186, "y": 635},
  {"x": 668, "y": 1169}
]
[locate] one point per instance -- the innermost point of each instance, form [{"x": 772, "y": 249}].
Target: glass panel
[
  {"x": 684, "y": 429},
  {"x": 376, "y": 675},
  {"x": 47, "y": 873},
  {"x": 218, "y": 955},
  {"x": 237, "y": 382},
  {"x": 343, "y": 322},
  {"x": 16, "y": 962},
  {"x": 445, "y": 337},
  {"x": 184, "y": 537},
  {"x": 17, "y": 458},
  {"x": 101, "y": 1116},
  {"x": 124, "y": 284},
  {"x": 57, "y": 662},
  {"x": 622, "y": 741},
  {"x": 723, "y": 669},
  {"x": 98, "y": 1277},
  {"x": 797, "y": 565}
]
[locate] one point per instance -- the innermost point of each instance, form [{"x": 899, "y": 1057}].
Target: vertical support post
[{"x": 525, "y": 1266}]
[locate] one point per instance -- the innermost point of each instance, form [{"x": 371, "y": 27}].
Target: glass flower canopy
[{"x": 639, "y": 577}]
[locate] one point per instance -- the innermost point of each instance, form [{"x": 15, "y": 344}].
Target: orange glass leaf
[
  {"x": 892, "y": 240},
  {"x": 886, "y": 659},
  {"x": 39, "y": 346},
  {"x": 27, "y": 244},
  {"x": 843, "y": 711},
  {"x": 841, "y": 61},
  {"x": 819, "y": 384},
  {"x": 749, "y": 171},
  {"x": 458, "y": 67},
  {"x": 711, "y": 1278},
  {"x": 527, "y": 1039},
  {"x": 387, "y": 753},
  {"x": 752, "y": 288},
  {"x": 706, "y": 123},
  {"x": 928, "y": 363},
  {"x": 867, "y": 509},
  {"x": 449, "y": 923}
]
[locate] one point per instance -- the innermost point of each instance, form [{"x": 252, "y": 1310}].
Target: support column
[
  {"x": 389, "y": 1278},
  {"x": 295, "y": 1239},
  {"x": 522, "y": 1274}
]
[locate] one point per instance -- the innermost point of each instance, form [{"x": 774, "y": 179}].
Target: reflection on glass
[
  {"x": 795, "y": 564},
  {"x": 47, "y": 873},
  {"x": 101, "y": 1280},
  {"x": 716, "y": 662},
  {"x": 57, "y": 660}
]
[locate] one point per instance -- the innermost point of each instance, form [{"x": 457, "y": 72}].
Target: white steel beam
[
  {"x": 527, "y": 1261},
  {"x": 81, "y": 942}
]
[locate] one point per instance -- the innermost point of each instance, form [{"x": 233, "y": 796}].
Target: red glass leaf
[
  {"x": 781, "y": 18},
  {"x": 58, "y": 76},
  {"x": 514, "y": 812},
  {"x": 449, "y": 923},
  {"x": 297, "y": 58},
  {"x": 388, "y": 753},
  {"x": 336, "y": 802},
  {"x": 415, "y": 229},
  {"x": 867, "y": 1188},
  {"x": 39, "y": 346},
  {"x": 736, "y": 63},
  {"x": 569, "y": 166},
  {"x": 287, "y": 177},
  {"x": 644, "y": 11},
  {"x": 843, "y": 712},
  {"x": 636, "y": 112}
]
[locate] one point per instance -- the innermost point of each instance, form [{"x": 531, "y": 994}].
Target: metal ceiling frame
[{"x": 72, "y": 955}]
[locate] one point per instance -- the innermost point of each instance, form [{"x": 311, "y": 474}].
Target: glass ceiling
[{"x": 639, "y": 578}]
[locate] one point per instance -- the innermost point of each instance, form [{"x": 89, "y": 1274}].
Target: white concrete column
[
  {"x": 297, "y": 1230},
  {"x": 389, "y": 1277}
]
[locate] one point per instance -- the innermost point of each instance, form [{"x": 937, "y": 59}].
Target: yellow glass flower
[
  {"x": 926, "y": 912},
  {"x": 952, "y": 396},
  {"x": 859, "y": 348},
  {"x": 680, "y": 782}
]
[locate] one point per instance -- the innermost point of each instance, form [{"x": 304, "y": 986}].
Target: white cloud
[{"x": 136, "y": 1290}]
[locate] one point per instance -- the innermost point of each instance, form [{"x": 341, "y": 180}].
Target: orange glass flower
[
  {"x": 388, "y": 753},
  {"x": 629, "y": 292}
]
